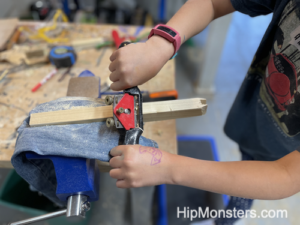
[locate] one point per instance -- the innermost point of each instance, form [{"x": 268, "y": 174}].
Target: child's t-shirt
[{"x": 265, "y": 117}]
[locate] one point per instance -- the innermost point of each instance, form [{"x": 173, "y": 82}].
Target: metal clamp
[
  {"x": 132, "y": 136},
  {"x": 127, "y": 114}
]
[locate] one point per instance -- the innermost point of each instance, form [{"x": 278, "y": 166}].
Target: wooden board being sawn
[
  {"x": 152, "y": 111},
  {"x": 16, "y": 98}
]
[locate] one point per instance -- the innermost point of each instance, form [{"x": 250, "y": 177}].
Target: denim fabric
[{"x": 87, "y": 140}]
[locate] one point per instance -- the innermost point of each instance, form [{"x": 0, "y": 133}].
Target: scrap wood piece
[
  {"x": 7, "y": 28},
  {"x": 29, "y": 54},
  {"x": 152, "y": 111},
  {"x": 14, "y": 39},
  {"x": 87, "y": 43}
]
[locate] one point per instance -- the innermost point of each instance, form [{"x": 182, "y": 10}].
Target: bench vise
[{"x": 78, "y": 179}]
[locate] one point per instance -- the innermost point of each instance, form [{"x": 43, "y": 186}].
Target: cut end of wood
[
  {"x": 204, "y": 109},
  {"x": 203, "y": 100}
]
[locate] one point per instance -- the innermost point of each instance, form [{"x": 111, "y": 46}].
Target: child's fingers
[
  {"x": 122, "y": 184},
  {"x": 113, "y": 66},
  {"x": 114, "y": 76},
  {"x": 117, "y": 86},
  {"x": 116, "y": 174},
  {"x": 116, "y": 162},
  {"x": 115, "y": 151},
  {"x": 113, "y": 55}
]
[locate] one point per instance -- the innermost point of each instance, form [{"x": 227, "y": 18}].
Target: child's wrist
[
  {"x": 170, "y": 169},
  {"x": 164, "y": 49}
]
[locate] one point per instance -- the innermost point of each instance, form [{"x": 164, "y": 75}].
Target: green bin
[{"x": 16, "y": 195}]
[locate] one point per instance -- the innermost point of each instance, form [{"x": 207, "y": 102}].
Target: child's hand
[
  {"x": 137, "y": 63},
  {"x": 138, "y": 166}
]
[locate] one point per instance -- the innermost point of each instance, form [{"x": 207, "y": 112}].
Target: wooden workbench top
[{"x": 16, "y": 98}]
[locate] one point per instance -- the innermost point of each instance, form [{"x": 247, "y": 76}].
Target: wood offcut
[{"x": 7, "y": 28}]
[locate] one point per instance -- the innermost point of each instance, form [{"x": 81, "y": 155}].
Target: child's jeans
[{"x": 236, "y": 203}]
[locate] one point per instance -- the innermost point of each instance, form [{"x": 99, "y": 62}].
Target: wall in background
[{"x": 14, "y": 8}]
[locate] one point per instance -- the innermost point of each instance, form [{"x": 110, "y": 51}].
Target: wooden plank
[
  {"x": 7, "y": 27},
  {"x": 152, "y": 111},
  {"x": 174, "y": 109}
]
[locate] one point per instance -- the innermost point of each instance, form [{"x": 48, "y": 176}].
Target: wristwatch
[{"x": 168, "y": 33}]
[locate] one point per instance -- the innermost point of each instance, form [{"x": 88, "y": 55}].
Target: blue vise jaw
[{"x": 78, "y": 181}]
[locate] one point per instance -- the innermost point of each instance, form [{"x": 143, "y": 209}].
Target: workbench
[{"x": 16, "y": 98}]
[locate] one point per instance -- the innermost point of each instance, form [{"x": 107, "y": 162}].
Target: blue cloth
[
  {"x": 265, "y": 117},
  {"x": 87, "y": 140}
]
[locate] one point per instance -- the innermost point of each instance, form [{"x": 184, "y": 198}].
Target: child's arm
[
  {"x": 137, "y": 63},
  {"x": 134, "y": 167}
]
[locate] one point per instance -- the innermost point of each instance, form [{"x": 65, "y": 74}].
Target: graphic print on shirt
[{"x": 280, "y": 89}]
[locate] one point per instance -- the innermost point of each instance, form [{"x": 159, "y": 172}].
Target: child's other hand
[
  {"x": 137, "y": 63},
  {"x": 138, "y": 166}
]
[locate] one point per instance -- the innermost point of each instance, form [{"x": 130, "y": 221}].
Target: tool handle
[
  {"x": 40, "y": 218},
  {"x": 124, "y": 44},
  {"x": 132, "y": 136}
]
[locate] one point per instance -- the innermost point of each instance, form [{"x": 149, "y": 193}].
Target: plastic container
[{"x": 16, "y": 195}]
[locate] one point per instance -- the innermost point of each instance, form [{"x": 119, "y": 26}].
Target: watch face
[{"x": 167, "y": 30}]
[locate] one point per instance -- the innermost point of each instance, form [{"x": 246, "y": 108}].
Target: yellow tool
[{"x": 52, "y": 32}]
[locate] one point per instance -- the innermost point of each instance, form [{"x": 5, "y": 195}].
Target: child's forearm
[
  {"x": 146, "y": 59},
  {"x": 248, "y": 179},
  {"x": 195, "y": 15},
  {"x": 134, "y": 167},
  {"x": 190, "y": 20}
]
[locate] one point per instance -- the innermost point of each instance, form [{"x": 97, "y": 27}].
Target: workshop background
[{"x": 236, "y": 39}]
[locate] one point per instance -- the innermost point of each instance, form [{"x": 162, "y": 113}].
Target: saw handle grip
[{"x": 132, "y": 137}]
